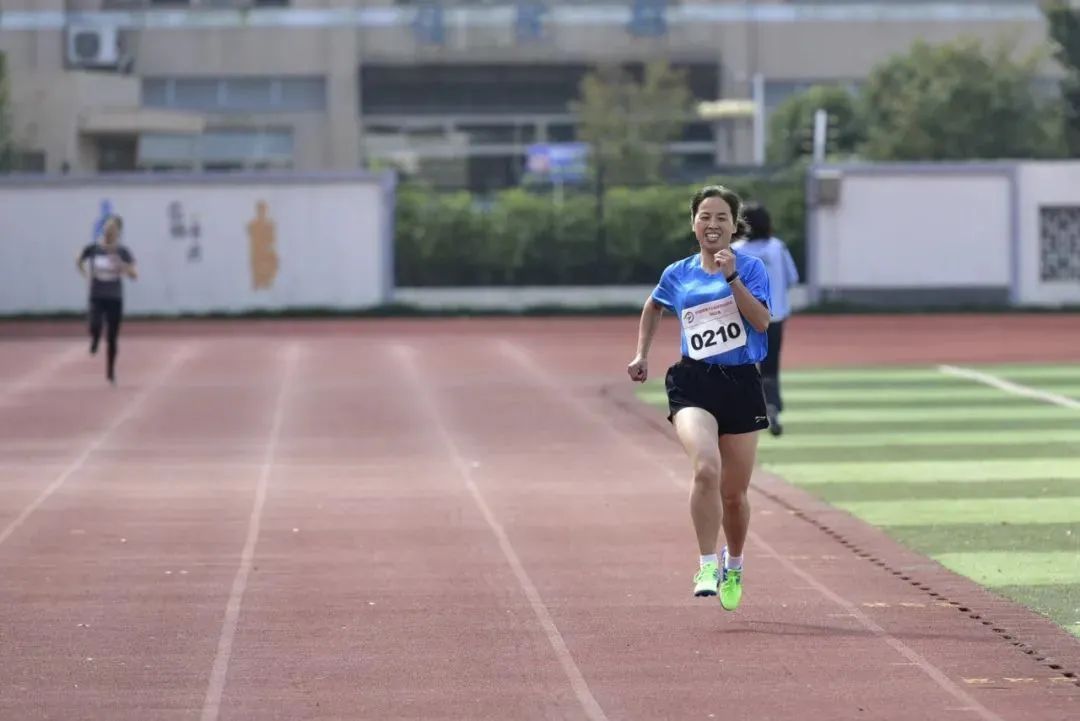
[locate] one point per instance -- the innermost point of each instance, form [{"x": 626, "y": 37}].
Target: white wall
[
  {"x": 946, "y": 226},
  {"x": 1045, "y": 184},
  {"x": 332, "y": 237},
  {"x": 905, "y": 230}
]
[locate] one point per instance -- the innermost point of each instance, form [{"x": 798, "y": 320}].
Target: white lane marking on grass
[{"x": 1009, "y": 387}]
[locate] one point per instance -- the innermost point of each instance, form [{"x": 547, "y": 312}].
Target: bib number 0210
[
  {"x": 713, "y": 328},
  {"x": 710, "y": 337}
]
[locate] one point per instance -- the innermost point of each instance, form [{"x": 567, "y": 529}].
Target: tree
[
  {"x": 628, "y": 124},
  {"x": 1063, "y": 23},
  {"x": 955, "y": 101},
  {"x": 791, "y": 126},
  {"x": 7, "y": 149}
]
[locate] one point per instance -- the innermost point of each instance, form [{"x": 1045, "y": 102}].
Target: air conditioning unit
[{"x": 93, "y": 46}]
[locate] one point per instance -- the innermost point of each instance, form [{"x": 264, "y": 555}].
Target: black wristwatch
[{"x": 733, "y": 277}]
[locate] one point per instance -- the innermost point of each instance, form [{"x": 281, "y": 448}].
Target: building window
[
  {"x": 562, "y": 132},
  {"x": 246, "y": 94},
  {"x": 116, "y": 154},
  {"x": 236, "y": 95},
  {"x": 155, "y": 93},
  {"x": 499, "y": 134},
  {"x": 22, "y": 161},
  {"x": 219, "y": 149},
  {"x": 471, "y": 89},
  {"x": 196, "y": 94}
]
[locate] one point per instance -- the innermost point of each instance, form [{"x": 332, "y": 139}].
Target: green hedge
[{"x": 526, "y": 237}]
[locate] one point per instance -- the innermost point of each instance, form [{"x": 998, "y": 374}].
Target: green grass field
[{"x": 973, "y": 472}]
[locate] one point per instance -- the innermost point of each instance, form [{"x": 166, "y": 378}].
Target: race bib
[
  {"x": 106, "y": 268},
  {"x": 713, "y": 328}
]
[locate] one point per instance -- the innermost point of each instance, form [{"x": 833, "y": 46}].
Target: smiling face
[{"x": 714, "y": 224}]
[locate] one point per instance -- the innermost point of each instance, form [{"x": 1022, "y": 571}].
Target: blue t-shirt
[{"x": 685, "y": 284}]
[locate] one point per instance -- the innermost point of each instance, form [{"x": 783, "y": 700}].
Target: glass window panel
[
  {"x": 302, "y": 94},
  {"x": 196, "y": 93},
  {"x": 220, "y": 146},
  {"x": 250, "y": 94},
  {"x": 155, "y": 92},
  {"x": 157, "y": 148}
]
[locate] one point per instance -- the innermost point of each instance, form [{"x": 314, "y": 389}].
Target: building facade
[{"x": 453, "y": 90}]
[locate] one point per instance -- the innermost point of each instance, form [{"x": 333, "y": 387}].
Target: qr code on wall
[{"x": 1059, "y": 247}]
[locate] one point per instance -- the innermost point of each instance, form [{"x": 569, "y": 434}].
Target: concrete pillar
[{"x": 342, "y": 149}]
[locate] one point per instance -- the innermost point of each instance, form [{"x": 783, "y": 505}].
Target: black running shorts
[{"x": 732, "y": 394}]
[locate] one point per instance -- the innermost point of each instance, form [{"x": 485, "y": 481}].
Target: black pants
[
  {"x": 770, "y": 367},
  {"x": 109, "y": 311}
]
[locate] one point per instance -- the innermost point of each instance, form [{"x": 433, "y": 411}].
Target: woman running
[
  {"x": 714, "y": 391},
  {"x": 780, "y": 266},
  {"x": 108, "y": 262}
]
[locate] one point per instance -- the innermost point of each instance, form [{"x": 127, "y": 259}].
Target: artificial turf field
[{"x": 977, "y": 467}]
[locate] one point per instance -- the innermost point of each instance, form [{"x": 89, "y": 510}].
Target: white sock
[
  {"x": 711, "y": 558},
  {"x": 734, "y": 562}
]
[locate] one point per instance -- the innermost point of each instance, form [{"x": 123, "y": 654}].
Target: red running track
[{"x": 442, "y": 520}]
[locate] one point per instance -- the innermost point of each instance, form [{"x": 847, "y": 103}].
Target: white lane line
[
  {"x": 425, "y": 392},
  {"x": 220, "y": 670},
  {"x": 519, "y": 356},
  {"x": 178, "y": 357},
  {"x": 40, "y": 373},
  {"x": 1009, "y": 387}
]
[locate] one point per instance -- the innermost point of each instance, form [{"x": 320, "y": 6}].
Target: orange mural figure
[{"x": 264, "y": 257}]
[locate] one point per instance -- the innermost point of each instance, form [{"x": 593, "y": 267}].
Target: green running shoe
[
  {"x": 706, "y": 580},
  {"x": 731, "y": 589}
]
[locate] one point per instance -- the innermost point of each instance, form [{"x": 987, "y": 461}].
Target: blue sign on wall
[
  {"x": 429, "y": 28},
  {"x": 558, "y": 162},
  {"x": 529, "y": 21},
  {"x": 649, "y": 18}
]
